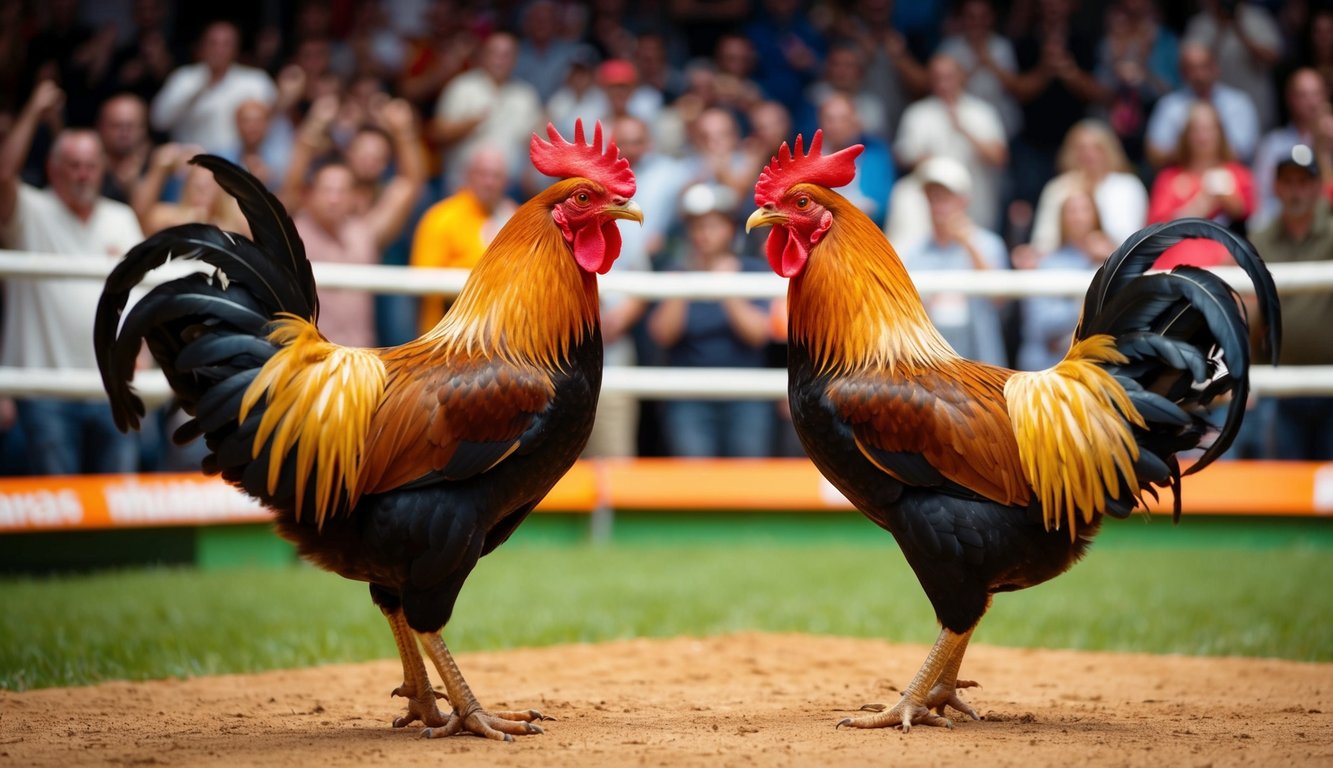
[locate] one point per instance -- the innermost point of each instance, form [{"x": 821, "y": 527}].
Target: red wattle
[
  {"x": 589, "y": 248},
  {"x": 785, "y": 253}
]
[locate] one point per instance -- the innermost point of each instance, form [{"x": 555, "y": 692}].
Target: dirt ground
[{"x": 750, "y": 700}]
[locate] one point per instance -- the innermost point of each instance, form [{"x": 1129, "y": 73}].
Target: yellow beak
[
  {"x": 763, "y": 217},
  {"x": 630, "y": 210}
]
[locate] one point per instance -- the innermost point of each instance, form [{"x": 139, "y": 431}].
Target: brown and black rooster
[
  {"x": 400, "y": 467},
  {"x": 993, "y": 480}
]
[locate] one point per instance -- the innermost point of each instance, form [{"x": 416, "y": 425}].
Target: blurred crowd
[{"x": 1027, "y": 134}]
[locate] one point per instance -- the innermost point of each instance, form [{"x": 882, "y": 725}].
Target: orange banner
[{"x": 128, "y": 501}]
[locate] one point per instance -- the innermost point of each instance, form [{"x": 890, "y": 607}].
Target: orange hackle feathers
[
  {"x": 566, "y": 160},
  {"x": 321, "y": 398},
  {"x": 1073, "y": 422},
  {"x": 787, "y": 169},
  {"x": 526, "y": 301},
  {"x": 855, "y": 306}
]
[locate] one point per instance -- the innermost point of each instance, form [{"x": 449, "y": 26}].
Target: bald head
[
  {"x": 1198, "y": 68},
  {"x": 486, "y": 175},
  {"x": 75, "y": 169}
]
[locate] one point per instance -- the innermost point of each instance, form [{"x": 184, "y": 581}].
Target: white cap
[{"x": 947, "y": 172}]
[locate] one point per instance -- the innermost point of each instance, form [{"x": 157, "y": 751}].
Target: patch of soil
[{"x": 748, "y": 699}]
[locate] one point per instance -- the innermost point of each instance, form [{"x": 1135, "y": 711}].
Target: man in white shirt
[
  {"x": 953, "y": 123},
  {"x": 49, "y": 323},
  {"x": 197, "y": 104},
  {"x": 487, "y": 105}
]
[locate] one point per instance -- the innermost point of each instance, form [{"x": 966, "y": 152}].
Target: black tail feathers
[
  {"x": 1186, "y": 334},
  {"x": 254, "y": 281}
]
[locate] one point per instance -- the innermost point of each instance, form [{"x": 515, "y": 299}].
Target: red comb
[
  {"x": 563, "y": 160},
  {"x": 788, "y": 168}
]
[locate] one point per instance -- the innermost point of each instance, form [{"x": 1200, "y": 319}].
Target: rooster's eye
[
  {"x": 802, "y": 202},
  {"x": 581, "y": 198}
]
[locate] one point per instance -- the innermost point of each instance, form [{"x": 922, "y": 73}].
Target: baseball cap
[
  {"x": 947, "y": 172},
  {"x": 1300, "y": 156},
  {"x": 617, "y": 72}
]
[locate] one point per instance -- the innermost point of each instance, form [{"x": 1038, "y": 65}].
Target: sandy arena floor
[{"x": 750, "y": 699}]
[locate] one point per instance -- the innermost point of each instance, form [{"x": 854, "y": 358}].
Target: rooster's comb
[
  {"x": 563, "y": 160},
  {"x": 788, "y": 168}
]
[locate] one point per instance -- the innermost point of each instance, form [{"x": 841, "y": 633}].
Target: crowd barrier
[{"x": 600, "y": 487}]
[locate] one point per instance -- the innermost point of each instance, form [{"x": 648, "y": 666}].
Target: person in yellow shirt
[{"x": 454, "y": 232}]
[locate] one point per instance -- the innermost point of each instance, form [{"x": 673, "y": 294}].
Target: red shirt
[{"x": 1173, "y": 189}]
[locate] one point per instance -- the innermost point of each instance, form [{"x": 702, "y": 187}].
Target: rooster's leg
[
  {"x": 945, "y": 691},
  {"x": 416, "y": 684},
  {"x": 914, "y": 708},
  {"x": 468, "y": 715}
]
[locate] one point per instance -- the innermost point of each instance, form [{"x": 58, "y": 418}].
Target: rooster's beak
[
  {"x": 627, "y": 210},
  {"x": 763, "y": 217}
]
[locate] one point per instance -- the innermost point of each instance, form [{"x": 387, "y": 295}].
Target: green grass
[{"x": 164, "y": 622}]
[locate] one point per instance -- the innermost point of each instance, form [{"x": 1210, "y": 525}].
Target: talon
[{"x": 842, "y": 722}]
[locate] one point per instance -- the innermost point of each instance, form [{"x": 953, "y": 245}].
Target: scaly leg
[
  {"x": 468, "y": 714},
  {"x": 915, "y": 705},
  {"x": 416, "y": 684},
  {"x": 945, "y": 691}
]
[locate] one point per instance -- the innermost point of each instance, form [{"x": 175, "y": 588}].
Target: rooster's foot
[
  {"x": 501, "y": 726},
  {"x": 420, "y": 708},
  {"x": 943, "y": 695},
  {"x": 904, "y": 714}
]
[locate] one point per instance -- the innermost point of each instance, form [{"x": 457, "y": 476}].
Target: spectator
[
  {"x": 892, "y": 73},
  {"x": 789, "y": 51},
  {"x": 955, "y": 124},
  {"x": 1207, "y": 182},
  {"x": 66, "y": 49},
  {"x": 869, "y": 190},
  {"x": 1247, "y": 44},
  {"x": 730, "y": 333},
  {"x": 1307, "y": 106},
  {"x": 619, "y": 82},
  {"x": 49, "y": 323},
  {"x": 770, "y": 125},
  {"x": 844, "y": 74},
  {"x": 437, "y": 57},
  {"x": 454, "y": 232},
  {"x": 260, "y": 149},
  {"x": 1055, "y": 87},
  {"x": 1319, "y": 46},
  {"x": 487, "y": 104},
  {"x": 388, "y": 138},
  {"x": 197, "y": 105},
  {"x": 337, "y": 224},
  {"x": 1091, "y": 161},
  {"x": 543, "y": 58},
  {"x": 735, "y": 88},
  {"x": 971, "y": 325},
  {"x": 201, "y": 199},
  {"x": 122, "y": 127},
  {"x": 1049, "y": 321},
  {"x": 616, "y": 428},
  {"x": 1302, "y": 231},
  {"x": 580, "y": 98},
  {"x": 716, "y": 156},
  {"x": 141, "y": 64},
  {"x": 1199, "y": 70},
  {"x": 659, "y": 81},
  {"x": 980, "y": 50},
  {"x": 1137, "y": 64}
]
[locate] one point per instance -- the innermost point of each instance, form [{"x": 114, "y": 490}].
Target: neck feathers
[
  {"x": 855, "y": 307},
  {"x": 526, "y": 299}
]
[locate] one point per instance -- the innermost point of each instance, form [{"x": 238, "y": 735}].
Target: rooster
[
  {"x": 993, "y": 480},
  {"x": 399, "y": 467}
]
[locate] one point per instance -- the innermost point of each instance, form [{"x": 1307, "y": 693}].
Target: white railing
[{"x": 651, "y": 382}]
